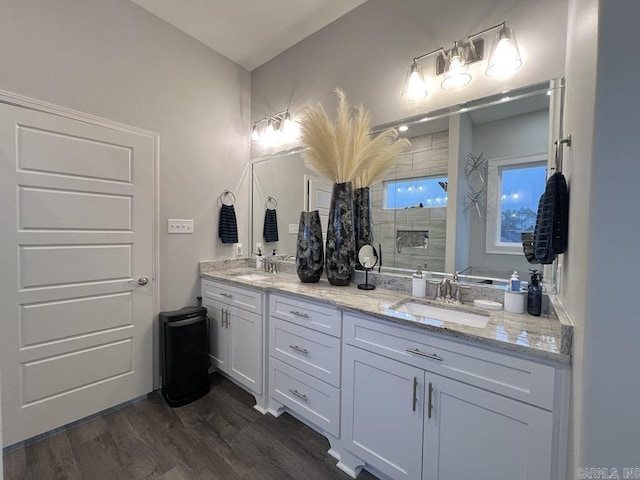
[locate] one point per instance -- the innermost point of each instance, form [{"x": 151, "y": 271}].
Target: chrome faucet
[{"x": 270, "y": 265}]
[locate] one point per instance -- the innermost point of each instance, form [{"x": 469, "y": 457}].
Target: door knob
[{"x": 140, "y": 281}]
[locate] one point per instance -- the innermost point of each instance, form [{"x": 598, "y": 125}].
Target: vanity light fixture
[
  {"x": 278, "y": 128},
  {"x": 504, "y": 59}
]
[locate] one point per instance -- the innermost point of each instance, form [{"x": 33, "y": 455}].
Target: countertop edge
[{"x": 566, "y": 327}]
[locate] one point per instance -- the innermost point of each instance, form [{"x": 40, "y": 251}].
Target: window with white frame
[
  {"x": 514, "y": 189},
  {"x": 415, "y": 192}
]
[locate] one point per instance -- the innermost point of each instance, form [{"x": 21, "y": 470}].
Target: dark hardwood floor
[{"x": 219, "y": 436}]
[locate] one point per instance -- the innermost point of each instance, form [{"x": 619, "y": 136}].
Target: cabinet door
[
  {"x": 472, "y": 433},
  {"x": 382, "y": 412},
  {"x": 218, "y": 336},
  {"x": 245, "y": 348}
]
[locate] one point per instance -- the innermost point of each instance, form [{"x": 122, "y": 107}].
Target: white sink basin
[
  {"x": 252, "y": 277},
  {"x": 420, "y": 312}
]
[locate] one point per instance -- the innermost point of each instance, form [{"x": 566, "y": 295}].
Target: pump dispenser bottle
[{"x": 534, "y": 294}]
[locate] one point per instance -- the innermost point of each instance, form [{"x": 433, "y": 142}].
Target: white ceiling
[{"x": 249, "y": 32}]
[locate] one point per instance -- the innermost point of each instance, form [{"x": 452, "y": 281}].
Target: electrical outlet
[
  {"x": 177, "y": 225},
  {"x": 293, "y": 228}
]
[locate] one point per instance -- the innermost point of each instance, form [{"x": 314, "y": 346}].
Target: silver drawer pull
[
  {"x": 432, "y": 356},
  {"x": 301, "y": 396},
  {"x": 299, "y": 349},
  {"x": 228, "y": 295},
  {"x": 298, "y": 314}
]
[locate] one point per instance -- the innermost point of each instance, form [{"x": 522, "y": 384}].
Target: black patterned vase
[
  {"x": 362, "y": 217},
  {"x": 309, "y": 249},
  {"x": 341, "y": 245}
]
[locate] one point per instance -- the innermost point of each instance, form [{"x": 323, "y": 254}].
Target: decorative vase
[
  {"x": 362, "y": 217},
  {"x": 341, "y": 246},
  {"x": 309, "y": 251}
]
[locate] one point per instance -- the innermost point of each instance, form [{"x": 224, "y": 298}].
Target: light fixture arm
[
  {"x": 422, "y": 57},
  {"x": 487, "y": 30}
]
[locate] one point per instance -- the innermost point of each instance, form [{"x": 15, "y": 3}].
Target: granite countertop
[{"x": 548, "y": 336}]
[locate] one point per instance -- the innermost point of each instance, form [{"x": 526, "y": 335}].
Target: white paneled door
[{"x": 76, "y": 230}]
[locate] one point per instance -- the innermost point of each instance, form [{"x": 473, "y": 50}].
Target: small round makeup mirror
[{"x": 367, "y": 258}]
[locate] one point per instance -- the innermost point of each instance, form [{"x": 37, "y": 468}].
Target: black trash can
[{"x": 184, "y": 355}]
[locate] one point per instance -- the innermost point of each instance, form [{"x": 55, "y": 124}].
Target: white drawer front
[
  {"x": 312, "y": 352},
  {"x": 315, "y": 400},
  {"x": 308, "y": 314},
  {"x": 244, "y": 298},
  {"x": 512, "y": 376}
]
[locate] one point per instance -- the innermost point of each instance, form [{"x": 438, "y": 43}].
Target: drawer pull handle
[
  {"x": 228, "y": 295},
  {"x": 298, "y": 314},
  {"x": 415, "y": 392},
  {"x": 432, "y": 356},
  {"x": 301, "y": 396},
  {"x": 430, "y": 406},
  {"x": 299, "y": 349}
]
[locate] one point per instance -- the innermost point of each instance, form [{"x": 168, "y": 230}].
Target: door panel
[
  {"x": 498, "y": 438},
  {"x": 76, "y": 227},
  {"x": 53, "y": 210},
  {"x": 319, "y": 198},
  {"x": 382, "y": 412},
  {"x": 245, "y": 330},
  {"x": 218, "y": 335}
]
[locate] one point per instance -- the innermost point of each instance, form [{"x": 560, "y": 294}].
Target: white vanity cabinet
[
  {"x": 420, "y": 406},
  {"x": 304, "y": 363},
  {"x": 236, "y": 334}
]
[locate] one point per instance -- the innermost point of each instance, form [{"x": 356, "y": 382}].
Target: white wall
[
  {"x": 115, "y": 60},
  {"x": 602, "y": 116},
  {"x": 368, "y": 50}
]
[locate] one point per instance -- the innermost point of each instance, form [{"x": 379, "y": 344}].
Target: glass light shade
[
  {"x": 289, "y": 129},
  {"x": 269, "y": 136},
  {"x": 255, "y": 136},
  {"x": 504, "y": 58},
  {"x": 414, "y": 87},
  {"x": 456, "y": 70}
]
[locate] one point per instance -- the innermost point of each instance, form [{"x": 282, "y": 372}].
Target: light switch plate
[
  {"x": 293, "y": 228},
  {"x": 178, "y": 225}
]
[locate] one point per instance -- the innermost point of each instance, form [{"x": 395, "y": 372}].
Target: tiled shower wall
[{"x": 427, "y": 156}]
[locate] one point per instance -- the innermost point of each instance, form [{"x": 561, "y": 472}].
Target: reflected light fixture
[
  {"x": 504, "y": 58},
  {"x": 414, "y": 86},
  {"x": 456, "y": 70}
]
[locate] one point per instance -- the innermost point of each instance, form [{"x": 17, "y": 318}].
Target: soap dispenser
[
  {"x": 534, "y": 294},
  {"x": 259, "y": 264},
  {"x": 418, "y": 284},
  {"x": 514, "y": 282}
]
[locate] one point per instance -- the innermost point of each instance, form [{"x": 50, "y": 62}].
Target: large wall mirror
[{"x": 457, "y": 198}]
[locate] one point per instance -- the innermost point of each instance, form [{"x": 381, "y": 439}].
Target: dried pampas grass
[{"x": 344, "y": 151}]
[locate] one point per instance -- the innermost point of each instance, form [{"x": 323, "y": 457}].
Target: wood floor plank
[{"x": 219, "y": 437}]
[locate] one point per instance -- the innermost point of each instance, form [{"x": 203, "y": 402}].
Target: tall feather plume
[{"x": 345, "y": 151}]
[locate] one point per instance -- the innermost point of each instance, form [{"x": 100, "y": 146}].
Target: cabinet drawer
[
  {"x": 308, "y": 314},
  {"x": 315, "y": 400},
  {"x": 244, "y": 298},
  {"x": 508, "y": 375},
  {"x": 312, "y": 352}
]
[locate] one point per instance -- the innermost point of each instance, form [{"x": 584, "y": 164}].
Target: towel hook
[
  {"x": 272, "y": 201},
  {"x": 560, "y": 155},
  {"x": 225, "y": 195}
]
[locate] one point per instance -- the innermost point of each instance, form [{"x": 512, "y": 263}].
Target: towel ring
[
  {"x": 225, "y": 195},
  {"x": 272, "y": 201}
]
